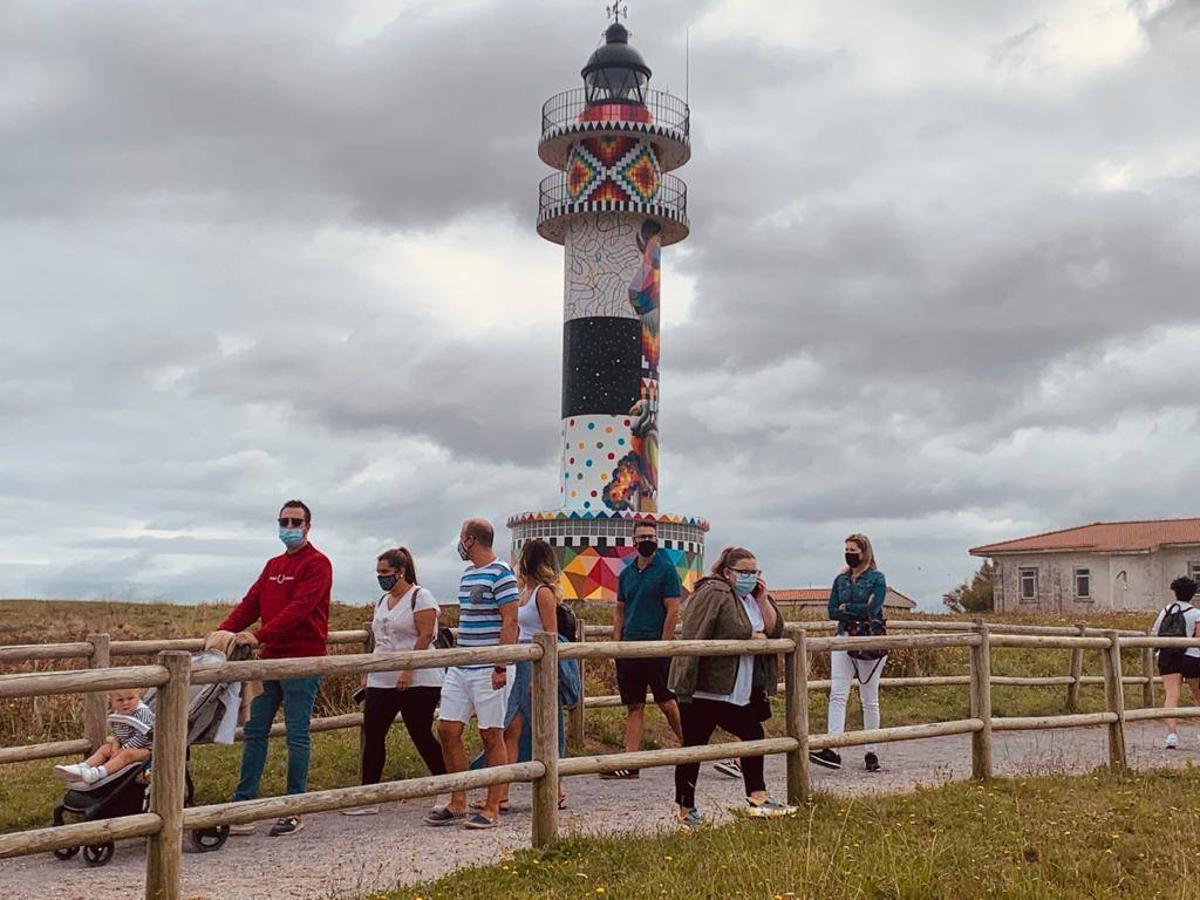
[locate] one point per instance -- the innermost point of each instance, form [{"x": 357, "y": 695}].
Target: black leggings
[
  {"x": 700, "y": 718},
  {"x": 416, "y": 705}
]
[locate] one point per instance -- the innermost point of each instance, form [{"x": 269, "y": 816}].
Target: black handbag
[{"x": 865, "y": 628}]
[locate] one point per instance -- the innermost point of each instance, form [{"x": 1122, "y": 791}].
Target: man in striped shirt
[{"x": 487, "y": 616}]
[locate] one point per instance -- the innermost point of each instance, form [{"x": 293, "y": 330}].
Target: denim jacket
[{"x": 857, "y": 601}]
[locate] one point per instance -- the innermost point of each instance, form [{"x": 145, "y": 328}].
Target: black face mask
[
  {"x": 647, "y": 547},
  {"x": 387, "y": 582},
  {"x": 853, "y": 559}
]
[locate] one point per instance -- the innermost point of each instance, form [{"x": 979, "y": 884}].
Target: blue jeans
[{"x": 297, "y": 696}]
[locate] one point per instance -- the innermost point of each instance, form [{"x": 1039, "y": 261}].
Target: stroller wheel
[
  {"x": 205, "y": 840},
  {"x": 97, "y": 854},
  {"x": 65, "y": 852}
]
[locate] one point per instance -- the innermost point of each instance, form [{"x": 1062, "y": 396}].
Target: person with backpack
[
  {"x": 856, "y": 604},
  {"x": 405, "y": 618},
  {"x": 729, "y": 692},
  {"x": 1179, "y": 618},
  {"x": 540, "y": 609}
]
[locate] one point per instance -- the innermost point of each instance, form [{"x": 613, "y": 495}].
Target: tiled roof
[
  {"x": 894, "y": 598},
  {"x": 1103, "y": 537}
]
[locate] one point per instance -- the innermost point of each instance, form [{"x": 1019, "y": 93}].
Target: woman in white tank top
[{"x": 537, "y": 572}]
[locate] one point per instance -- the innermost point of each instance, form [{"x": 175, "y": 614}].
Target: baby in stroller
[
  {"x": 132, "y": 723},
  {"x": 123, "y": 764}
]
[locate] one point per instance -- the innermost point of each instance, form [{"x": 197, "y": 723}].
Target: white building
[{"x": 1093, "y": 568}]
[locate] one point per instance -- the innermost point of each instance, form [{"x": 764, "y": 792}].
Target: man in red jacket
[{"x": 291, "y": 599}]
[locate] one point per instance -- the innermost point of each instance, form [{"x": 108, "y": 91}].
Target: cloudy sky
[{"x": 941, "y": 285}]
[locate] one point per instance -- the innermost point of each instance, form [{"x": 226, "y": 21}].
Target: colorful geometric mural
[
  {"x": 593, "y": 548},
  {"x": 613, "y": 168},
  {"x": 591, "y": 573}
]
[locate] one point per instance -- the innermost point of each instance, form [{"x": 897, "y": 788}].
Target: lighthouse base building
[{"x": 613, "y": 206}]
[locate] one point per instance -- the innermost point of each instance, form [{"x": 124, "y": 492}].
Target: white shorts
[{"x": 467, "y": 691}]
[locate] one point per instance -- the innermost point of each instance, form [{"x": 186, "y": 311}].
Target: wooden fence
[
  {"x": 173, "y": 674},
  {"x": 99, "y": 651}
]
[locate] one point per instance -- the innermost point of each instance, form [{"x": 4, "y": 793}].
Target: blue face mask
[
  {"x": 291, "y": 537},
  {"x": 744, "y": 584}
]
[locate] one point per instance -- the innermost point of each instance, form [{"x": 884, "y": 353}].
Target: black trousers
[
  {"x": 700, "y": 718},
  {"x": 416, "y": 706}
]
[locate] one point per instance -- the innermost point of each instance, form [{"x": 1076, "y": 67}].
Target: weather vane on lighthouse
[{"x": 613, "y": 206}]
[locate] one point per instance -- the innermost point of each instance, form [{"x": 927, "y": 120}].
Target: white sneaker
[
  {"x": 1172, "y": 741},
  {"x": 361, "y": 811},
  {"x": 91, "y": 774},
  {"x": 70, "y": 774},
  {"x": 244, "y": 828}
]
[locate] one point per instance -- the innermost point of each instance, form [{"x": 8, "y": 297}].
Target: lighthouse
[{"x": 613, "y": 206}]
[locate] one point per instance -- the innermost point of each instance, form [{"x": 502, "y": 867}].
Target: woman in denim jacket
[{"x": 856, "y": 604}]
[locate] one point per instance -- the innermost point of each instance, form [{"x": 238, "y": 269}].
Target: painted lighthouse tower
[{"x": 613, "y": 206}]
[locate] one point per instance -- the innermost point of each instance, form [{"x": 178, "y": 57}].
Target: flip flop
[
  {"x": 443, "y": 816},
  {"x": 479, "y": 822},
  {"x": 482, "y": 804}
]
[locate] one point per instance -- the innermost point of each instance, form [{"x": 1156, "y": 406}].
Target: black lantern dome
[{"x": 615, "y": 72}]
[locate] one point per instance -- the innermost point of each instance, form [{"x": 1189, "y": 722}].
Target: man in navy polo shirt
[{"x": 647, "y": 606}]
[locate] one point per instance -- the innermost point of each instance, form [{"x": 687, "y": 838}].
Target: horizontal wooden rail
[
  {"x": 892, "y": 642},
  {"x": 641, "y": 649},
  {"x": 243, "y": 811},
  {"x": 23, "y": 843},
  {"x": 44, "y": 751},
  {"x": 673, "y": 756},
  {"x": 194, "y": 645},
  {"x": 1158, "y": 643},
  {"x": 1162, "y": 712},
  {"x": 1050, "y": 643},
  {"x": 1034, "y": 723},
  {"x": 897, "y": 733},
  {"x": 355, "y": 663},
  {"x": 34, "y": 652},
  {"x": 79, "y": 681}
]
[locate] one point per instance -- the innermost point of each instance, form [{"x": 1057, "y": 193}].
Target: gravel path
[{"x": 339, "y": 856}]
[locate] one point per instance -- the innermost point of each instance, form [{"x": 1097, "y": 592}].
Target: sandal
[
  {"x": 443, "y": 816},
  {"x": 482, "y": 804},
  {"x": 479, "y": 822}
]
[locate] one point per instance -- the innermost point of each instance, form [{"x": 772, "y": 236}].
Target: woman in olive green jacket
[{"x": 727, "y": 691}]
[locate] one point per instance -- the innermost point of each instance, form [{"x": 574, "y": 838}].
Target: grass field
[
  {"x": 1093, "y": 836},
  {"x": 27, "y": 793}
]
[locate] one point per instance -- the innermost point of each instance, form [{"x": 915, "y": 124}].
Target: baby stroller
[{"x": 212, "y": 718}]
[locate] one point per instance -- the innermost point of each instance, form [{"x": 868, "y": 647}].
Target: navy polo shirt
[{"x": 643, "y": 592}]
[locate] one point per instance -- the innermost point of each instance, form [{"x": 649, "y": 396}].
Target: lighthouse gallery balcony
[
  {"x": 556, "y": 206},
  {"x": 662, "y": 118}
]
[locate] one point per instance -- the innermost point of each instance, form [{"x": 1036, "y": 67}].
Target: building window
[
  {"x": 1194, "y": 571},
  {"x": 1083, "y": 584},
  {"x": 1029, "y": 584}
]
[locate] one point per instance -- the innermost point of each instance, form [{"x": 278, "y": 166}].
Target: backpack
[
  {"x": 568, "y": 623},
  {"x": 444, "y": 639},
  {"x": 1173, "y": 624}
]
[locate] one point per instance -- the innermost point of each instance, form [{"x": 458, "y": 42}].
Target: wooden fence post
[
  {"x": 1148, "y": 672},
  {"x": 95, "y": 704},
  {"x": 575, "y": 724},
  {"x": 981, "y": 704},
  {"x": 796, "y": 699},
  {"x": 545, "y": 740},
  {"x": 1076, "y": 672},
  {"x": 168, "y": 779},
  {"x": 1114, "y": 695}
]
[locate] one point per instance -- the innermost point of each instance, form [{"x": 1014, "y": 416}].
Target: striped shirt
[
  {"x": 136, "y": 730},
  {"x": 481, "y": 592}
]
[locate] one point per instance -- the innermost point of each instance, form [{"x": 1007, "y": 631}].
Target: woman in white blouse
[{"x": 405, "y": 619}]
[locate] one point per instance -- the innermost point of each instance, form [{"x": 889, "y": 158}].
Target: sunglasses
[
  {"x": 748, "y": 571},
  {"x": 286, "y": 522}
]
